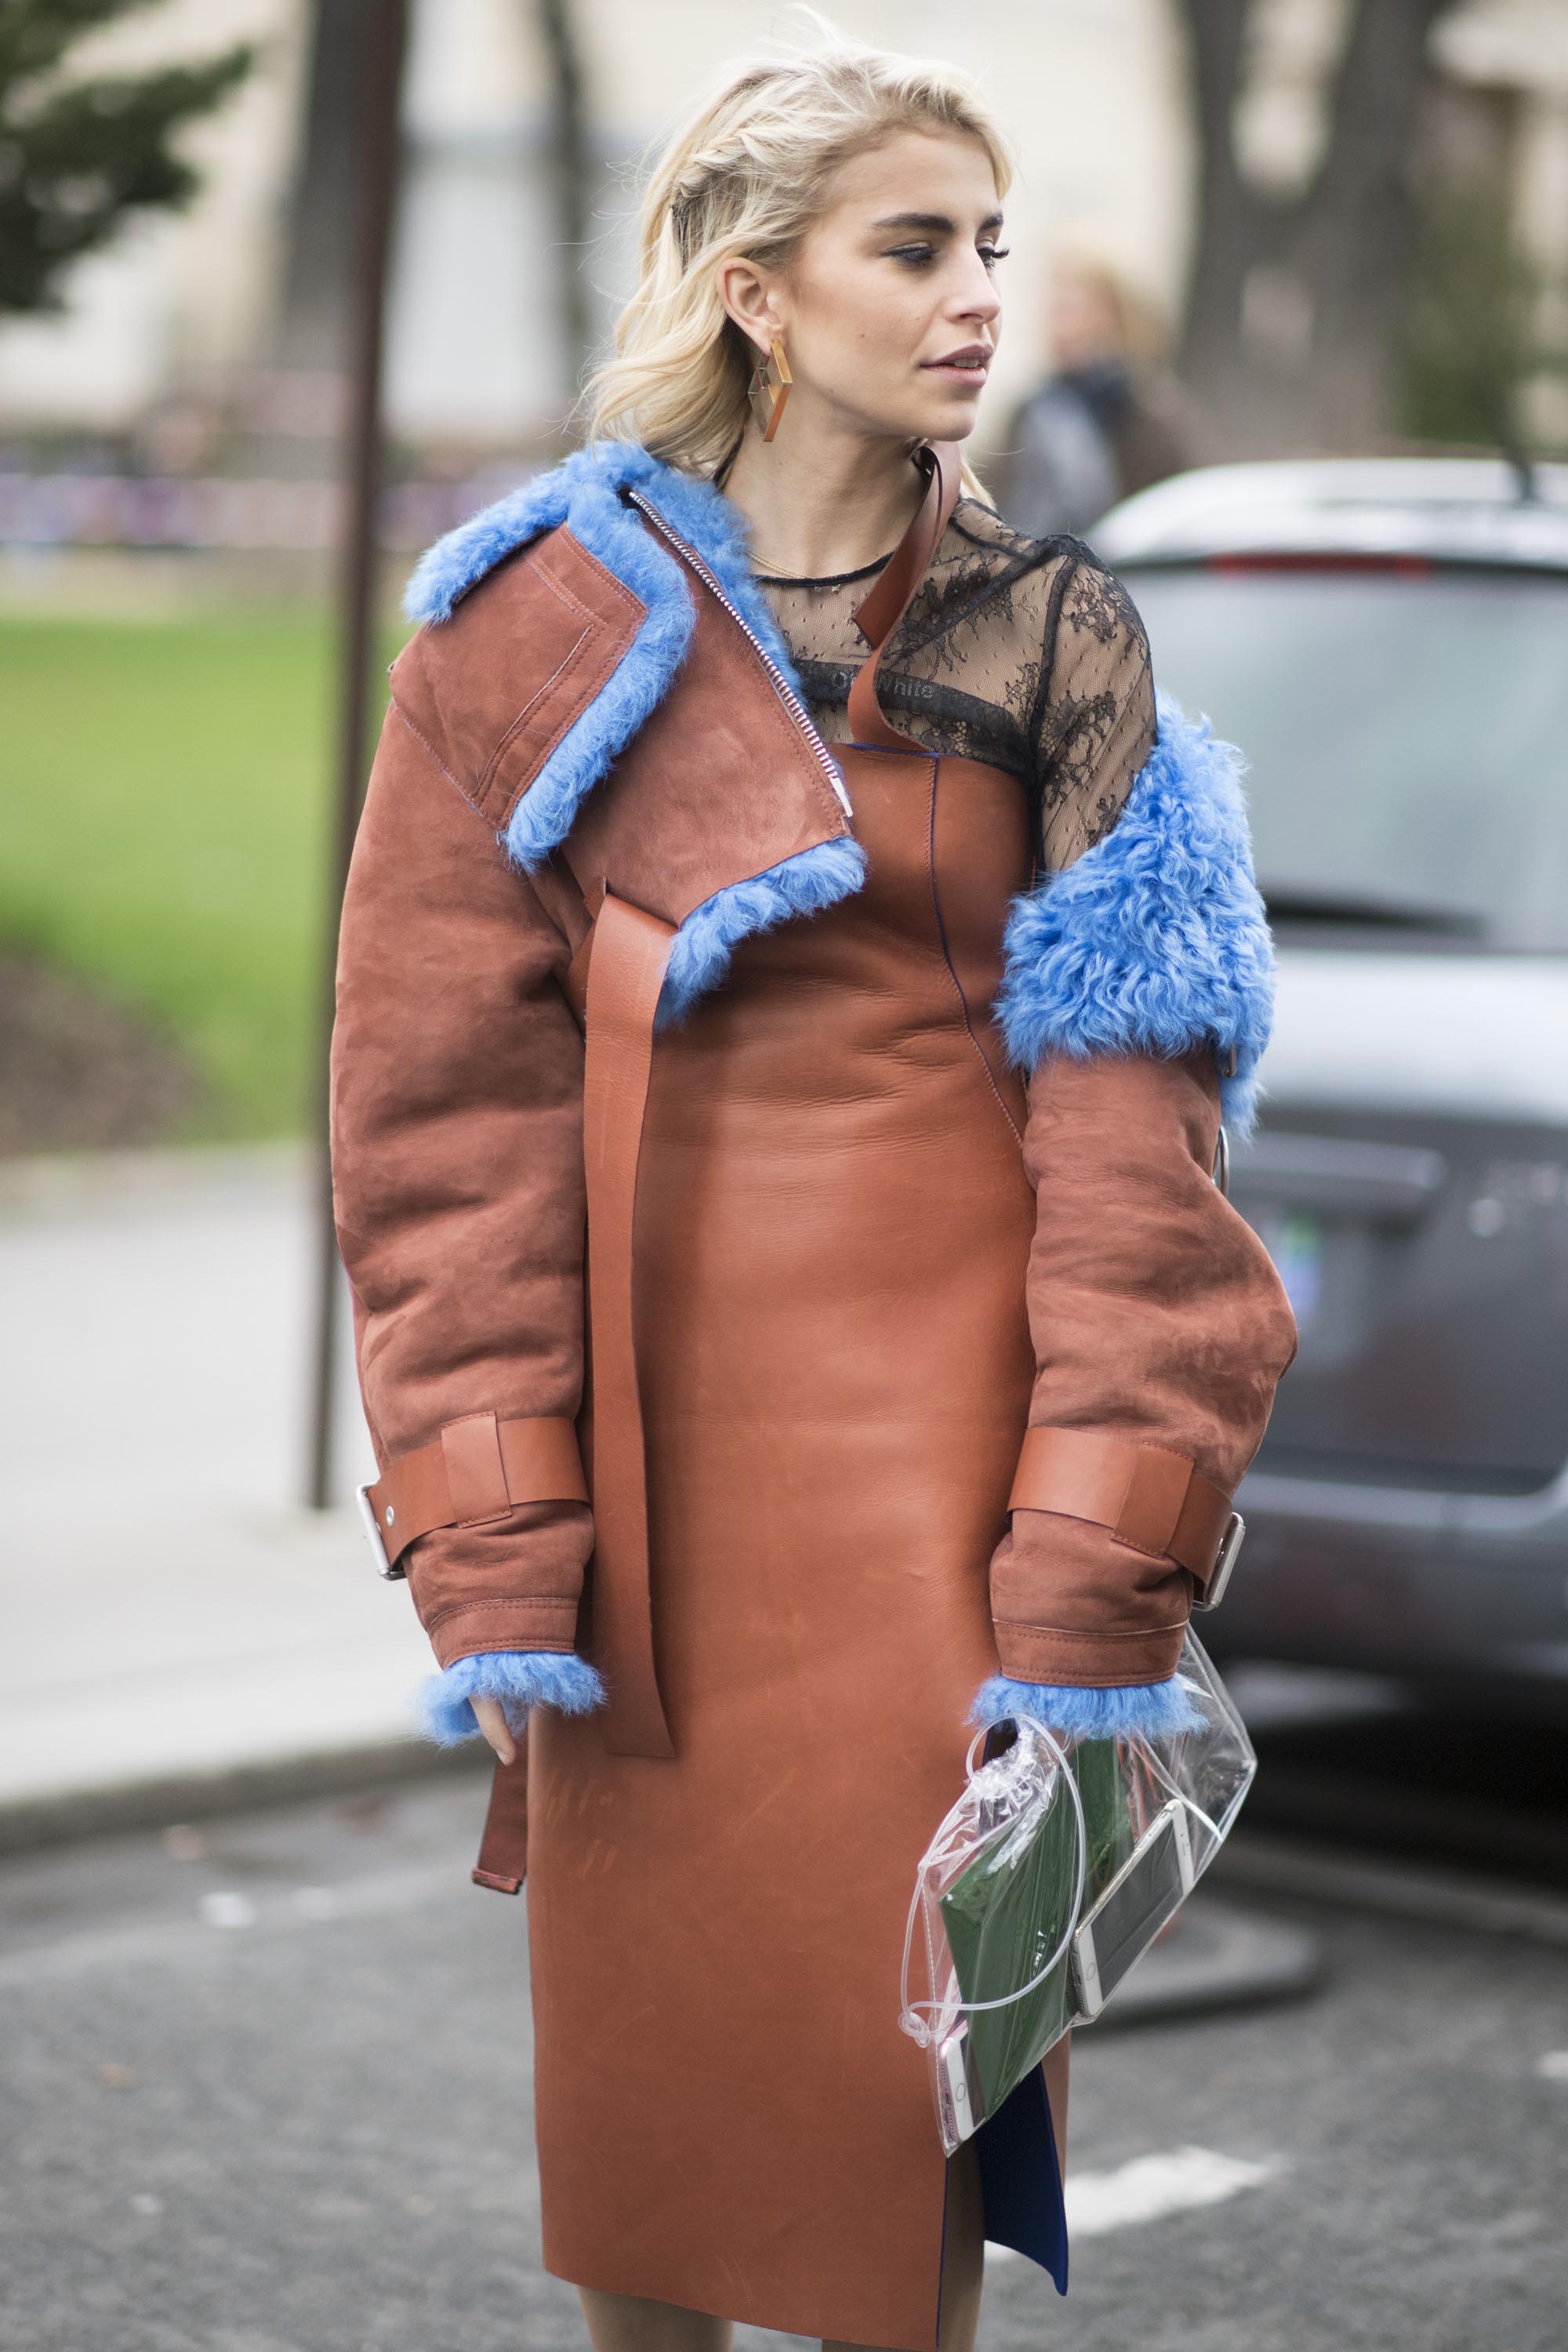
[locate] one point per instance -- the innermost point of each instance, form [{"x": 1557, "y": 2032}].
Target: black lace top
[{"x": 1023, "y": 653}]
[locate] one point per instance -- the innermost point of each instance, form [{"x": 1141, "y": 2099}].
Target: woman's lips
[{"x": 962, "y": 367}]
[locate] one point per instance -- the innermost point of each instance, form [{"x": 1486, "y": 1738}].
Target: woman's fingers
[{"x": 492, "y": 1722}]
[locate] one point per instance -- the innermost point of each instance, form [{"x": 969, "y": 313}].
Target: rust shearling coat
[{"x": 760, "y": 1117}]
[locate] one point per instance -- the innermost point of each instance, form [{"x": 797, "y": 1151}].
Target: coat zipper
[{"x": 781, "y": 685}]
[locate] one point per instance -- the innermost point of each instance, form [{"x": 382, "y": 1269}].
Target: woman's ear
[{"x": 750, "y": 300}]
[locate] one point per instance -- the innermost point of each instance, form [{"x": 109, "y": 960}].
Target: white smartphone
[
  {"x": 1149, "y": 1888},
  {"x": 952, "y": 2079}
]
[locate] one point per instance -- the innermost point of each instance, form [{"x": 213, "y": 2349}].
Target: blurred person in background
[
  {"x": 1109, "y": 420},
  {"x": 697, "y": 852}
]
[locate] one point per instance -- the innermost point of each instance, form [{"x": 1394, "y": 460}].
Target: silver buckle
[
  {"x": 1212, "y": 1593},
  {"x": 373, "y": 1536}
]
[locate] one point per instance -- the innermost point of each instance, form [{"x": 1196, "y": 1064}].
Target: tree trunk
[
  {"x": 571, "y": 175},
  {"x": 1289, "y": 333},
  {"x": 316, "y": 308},
  {"x": 1233, "y": 227}
]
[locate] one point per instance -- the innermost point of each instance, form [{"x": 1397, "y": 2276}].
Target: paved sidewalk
[{"x": 171, "y": 1612}]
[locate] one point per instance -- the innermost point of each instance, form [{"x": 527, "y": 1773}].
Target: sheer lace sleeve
[
  {"x": 1094, "y": 725},
  {"x": 1022, "y": 652}
]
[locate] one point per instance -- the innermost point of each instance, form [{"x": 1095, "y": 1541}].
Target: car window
[{"x": 1406, "y": 737}]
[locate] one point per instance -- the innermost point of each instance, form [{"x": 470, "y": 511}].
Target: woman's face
[{"x": 890, "y": 309}]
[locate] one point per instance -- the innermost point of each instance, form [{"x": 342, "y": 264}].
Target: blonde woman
[{"x": 790, "y": 983}]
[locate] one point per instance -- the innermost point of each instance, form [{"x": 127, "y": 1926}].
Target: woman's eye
[
  {"x": 916, "y": 253},
  {"x": 992, "y": 254}
]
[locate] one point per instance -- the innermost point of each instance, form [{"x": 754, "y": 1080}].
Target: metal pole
[{"x": 378, "y": 189}]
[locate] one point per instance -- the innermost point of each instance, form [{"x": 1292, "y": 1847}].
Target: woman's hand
[{"x": 492, "y": 1722}]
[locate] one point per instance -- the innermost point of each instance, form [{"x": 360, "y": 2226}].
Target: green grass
[{"x": 166, "y": 793}]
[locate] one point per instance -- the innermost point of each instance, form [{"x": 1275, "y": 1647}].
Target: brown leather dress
[
  {"x": 836, "y": 1284},
  {"x": 831, "y": 1245}
]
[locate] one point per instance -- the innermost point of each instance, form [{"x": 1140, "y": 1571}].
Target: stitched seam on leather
[
  {"x": 612, "y": 655},
  {"x": 463, "y": 1608},
  {"x": 534, "y": 700},
  {"x": 1076, "y": 1633},
  {"x": 574, "y": 660},
  {"x": 469, "y": 803},
  {"x": 558, "y": 588},
  {"x": 551, "y": 1649},
  {"x": 1014, "y": 1128},
  {"x": 590, "y": 622},
  {"x": 611, "y": 580},
  {"x": 430, "y": 751}
]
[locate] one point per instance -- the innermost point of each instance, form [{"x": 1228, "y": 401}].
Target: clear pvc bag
[{"x": 1055, "y": 1871}]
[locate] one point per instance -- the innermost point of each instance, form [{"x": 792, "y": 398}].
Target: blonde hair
[{"x": 749, "y": 175}]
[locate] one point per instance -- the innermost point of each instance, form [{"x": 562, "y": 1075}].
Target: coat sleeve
[
  {"x": 456, "y": 1087},
  {"x": 1137, "y": 998}
]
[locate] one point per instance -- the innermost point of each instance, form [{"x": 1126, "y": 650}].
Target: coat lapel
[{"x": 736, "y": 877}]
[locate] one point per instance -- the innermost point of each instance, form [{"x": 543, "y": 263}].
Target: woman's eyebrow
[{"x": 938, "y": 224}]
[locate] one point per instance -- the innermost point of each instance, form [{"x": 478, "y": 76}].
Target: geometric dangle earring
[{"x": 769, "y": 388}]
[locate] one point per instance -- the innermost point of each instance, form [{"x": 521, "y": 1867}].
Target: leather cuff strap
[
  {"x": 479, "y": 1468},
  {"x": 502, "y": 1865},
  {"x": 1153, "y": 1501}
]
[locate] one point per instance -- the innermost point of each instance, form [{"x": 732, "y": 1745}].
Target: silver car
[{"x": 1388, "y": 642}]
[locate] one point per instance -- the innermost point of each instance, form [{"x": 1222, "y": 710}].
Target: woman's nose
[{"x": 981, "y": 300}]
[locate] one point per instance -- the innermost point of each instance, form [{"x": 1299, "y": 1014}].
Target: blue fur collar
[
  {"x": 584, "y": 492},
  {"x": 1155, "y": 938}
]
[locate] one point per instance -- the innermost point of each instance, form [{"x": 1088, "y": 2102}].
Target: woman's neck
[{"x": 820, "y": 505}]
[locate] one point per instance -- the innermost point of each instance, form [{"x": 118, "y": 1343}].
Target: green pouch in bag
[
  {"x": 1051, "y": 1876},
  {"x": 1006, "y": 1917}
]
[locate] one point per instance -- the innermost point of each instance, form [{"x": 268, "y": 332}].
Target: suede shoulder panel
[{"x": 495, "y": 693}]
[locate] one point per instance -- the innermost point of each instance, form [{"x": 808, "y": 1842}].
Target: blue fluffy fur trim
[
  {"x": 577, "y": 487},
  {"x": 584, "y": 492},
  {"x": 1129, "y": 1711},
  {"x": 519, "y": 1678},
  {"x": 699, "y": 956},
  {"x": 1155, "y": 940}
]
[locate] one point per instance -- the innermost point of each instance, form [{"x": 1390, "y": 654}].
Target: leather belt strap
[
  {"x": 479, "y": 1468},
  {"x": 626, "y": 972},
  {"x": 574, "y": 978},
  {"x": 878, "y": 614},
  {"x": 613, "y": 985},
  {"x": 1154, "y": 1501},
  {"x": 503, "y": 1849}
]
